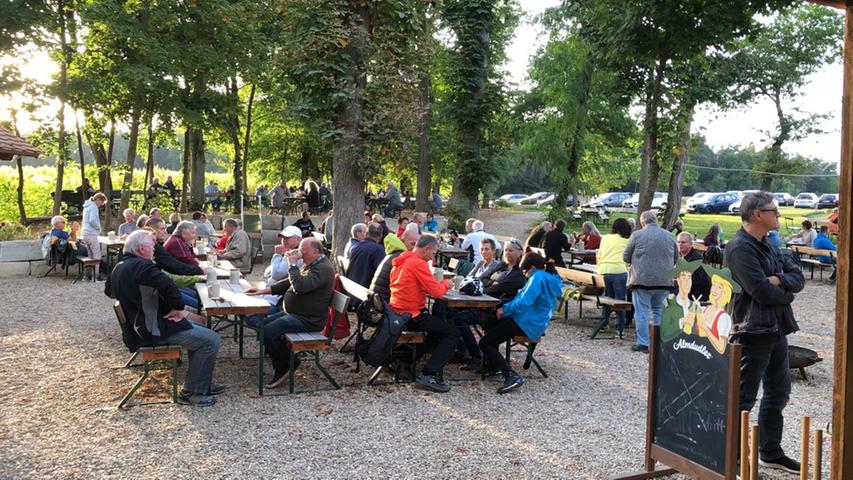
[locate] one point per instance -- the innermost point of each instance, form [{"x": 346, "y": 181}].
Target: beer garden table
[
  {"x": 115, "y": 245},
  {"x": 232, "y": 301}
]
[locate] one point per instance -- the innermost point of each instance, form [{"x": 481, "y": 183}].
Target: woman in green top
[{"x": 609, "y": 263}]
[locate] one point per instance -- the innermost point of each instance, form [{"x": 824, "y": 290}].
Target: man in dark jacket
[
  {"x": 306, "y": 292},
  {"x": 763, "y": 318},
  {"x": 365, "y": 257},
  {"x": 153, "y": 307}
]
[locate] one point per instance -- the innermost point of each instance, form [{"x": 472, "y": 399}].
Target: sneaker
[
  {"x": 782, "y": 463},
  {"x": 196, "y": 399},
  {"x": 214, "y": 389},
  {"x": 473, "y": 365},
  {"x": 640, "y": 348},
  {"x": 512, "y": 382},
  {"x": 431, "y": 383}
]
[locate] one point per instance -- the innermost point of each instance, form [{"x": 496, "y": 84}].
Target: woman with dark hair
[
  {"x": 611, "y": 265},
  {"x": 312, "y": 194},
  {"x": 713, "y": 237},
  {"x": 537, "y": 235},
  {"x": 527, "y": 314},
  {"x": 555, "y": 243},
  {"x": 401, "y": 226},
  {"x": 806, "y": 235}
]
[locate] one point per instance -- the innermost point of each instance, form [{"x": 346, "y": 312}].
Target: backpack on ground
[{"x": 377, "y": 349}]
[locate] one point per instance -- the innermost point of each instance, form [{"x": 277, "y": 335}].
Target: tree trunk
[
  {"x": 197, "y": 164},
  {"x": 21, "y": 210},
  {"x": 424, "y": 161},
  {"x": 82, "y": 159},
  {"x": 234, "y": 134},
  {"x": 133, "y": 139},
  {"x": 62, "y": 157},
  {"x": 349, "y": 148},
  {"x": 650, "y": 168},
  {"x": 149, "y": 162},
  {"x": 679, "y": 167},
  {"x": 248, "y": 138},
  {"x": 185, "y": 169}
]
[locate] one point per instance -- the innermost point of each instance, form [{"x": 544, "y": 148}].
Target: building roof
[
  {"x": 11, "y": 144},
  {"x": 831, "y": 3}
]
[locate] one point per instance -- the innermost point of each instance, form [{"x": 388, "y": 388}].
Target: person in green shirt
[{"x": 610, "y": 264}]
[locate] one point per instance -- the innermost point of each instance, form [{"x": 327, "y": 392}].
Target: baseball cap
[{"x": 290, "y": 231}]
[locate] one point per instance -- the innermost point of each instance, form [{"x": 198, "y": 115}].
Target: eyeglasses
[{"x": 774, "y": 210}]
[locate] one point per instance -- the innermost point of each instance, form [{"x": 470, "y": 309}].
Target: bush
[{"x": 14, "y": 231}]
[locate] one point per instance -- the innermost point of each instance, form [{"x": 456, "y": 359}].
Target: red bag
[{"x": 342, "y": 330}]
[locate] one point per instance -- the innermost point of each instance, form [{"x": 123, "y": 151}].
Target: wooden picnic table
[
  {"x": 203, "y": 256},
  {"x": 232, "y": 301},
  {"x": 223, "y": 268},
  {"x": 115, "y": 245},
  {"x": 446, "y": 252},
  {"x": 582, "y": 256},
  {"x": 455, "y": 299}
]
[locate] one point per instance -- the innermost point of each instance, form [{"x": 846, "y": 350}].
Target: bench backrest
[
  {"x": 581, "y": 277},
  {"x": 340, "y": 304},
  {"x": 540, "y": 251},
  {"x": 814, "y": 252},
  {"x": 343, "y": 264},
  {"x": 354, "y": 289},
  {"x": 700, "y": 246}
]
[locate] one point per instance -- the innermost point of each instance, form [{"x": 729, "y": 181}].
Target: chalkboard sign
[{"x": 690, "y": 411}]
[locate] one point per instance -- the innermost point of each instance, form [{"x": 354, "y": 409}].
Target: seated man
[
  {"x": 472, "y": 241},
  {"x": 306, "y": 292},
  {"x": 64, "y": 242},
  {"x": 279, "y": 267},
  {"x": 155, "y": 315},
  {"x": 366, "y": 256},
  {"x": 411, "y": 282},
  {"x": 394, "y": 247},
  {"x": 170, "y": 264},
  {"x": 823, "y": 242},
  {"x": 430, "y": 226},
  {"x": 179, "y": 245},
  {"x": 436, "y": 202},
  {"x": 357, "y": 234},
  {"x": 129, "y": 226},
  {"x": 395, "y": 201},
  {"x": 239, "y": 247},
  {"x": 211, "y": 192}
]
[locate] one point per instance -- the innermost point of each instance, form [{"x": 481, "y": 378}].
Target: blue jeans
[
  {"x": 202, "y": 344},
  {"x": 764, "y": 358},
  {"x": 276, "y": 326},
  {"x": 189, "y": 297},
  {"x": 646, "y": 301},
  {"x": 615, "y": 286}
]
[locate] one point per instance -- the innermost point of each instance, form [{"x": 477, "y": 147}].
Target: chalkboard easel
[{"x": 693, "y": 419}]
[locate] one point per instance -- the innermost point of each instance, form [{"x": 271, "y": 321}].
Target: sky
[{"x": 742, "y": 127}]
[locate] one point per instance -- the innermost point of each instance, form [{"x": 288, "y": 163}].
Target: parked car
[
  {"x": 550, "y": 199},
  {"x": 512, "y": 198},
  {"x": 828, "y": 200},
  {"x": 806, "y": 200},
  {"x": 713, "y": 203},
  {"x": 697, "y": 197},
  {"x": 735, "y": 207},
  {"x": 658, "y": 202},
  {"x": 532, "y": 199},
  {"x": 784, "y": 199},
  {"x": 611, "y": 199}
]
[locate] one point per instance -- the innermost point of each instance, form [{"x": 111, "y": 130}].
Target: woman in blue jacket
[{"x": 527, "y": 314}]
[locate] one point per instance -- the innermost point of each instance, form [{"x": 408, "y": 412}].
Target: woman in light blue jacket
[{"x": 528, "y": 314}]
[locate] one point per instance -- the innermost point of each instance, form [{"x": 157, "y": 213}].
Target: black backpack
[
  {"x": 713, "y": 255},
  {"x": 378, "y": 348}
]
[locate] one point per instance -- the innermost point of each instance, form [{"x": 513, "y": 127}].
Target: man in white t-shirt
[{"x": 475, "y": 237}]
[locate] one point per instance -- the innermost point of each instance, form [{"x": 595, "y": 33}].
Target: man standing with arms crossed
[{"x": 763, "y": 318}]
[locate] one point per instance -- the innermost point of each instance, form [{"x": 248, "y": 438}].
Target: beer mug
[
  {"x": 213, "y": 290},
  {"x": 235, "y": 276},
  {"x": 111, "y": 235},
  {"x": 457, "y": 282},
  {"x": 211, "y": 276},
  {"x": 438, "y": 273}
]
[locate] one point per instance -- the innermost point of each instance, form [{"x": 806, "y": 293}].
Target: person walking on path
[{"x": 763, "y": 319}]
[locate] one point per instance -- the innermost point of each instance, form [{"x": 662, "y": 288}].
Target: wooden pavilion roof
[
  {"x": 831, "y": 3},
  {"x": 11, "y": 144}
]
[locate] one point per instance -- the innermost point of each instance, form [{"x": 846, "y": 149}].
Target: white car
[
  {"x": 806, "y": 200},
  {"x": 610, "y": 199},
  {"x": 697, "y": 197},
  {"x": 658, "y": 202},
  {"x": 532, "y": 199},
  {"x": 512, "y": 198},
  {"x": 735, "y": 207}
]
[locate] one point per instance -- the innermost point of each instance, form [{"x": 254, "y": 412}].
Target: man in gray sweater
[{"x": 651, "y": 251}]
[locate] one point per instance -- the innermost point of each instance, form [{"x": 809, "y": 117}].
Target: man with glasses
[{"x": 763, "y": 318}]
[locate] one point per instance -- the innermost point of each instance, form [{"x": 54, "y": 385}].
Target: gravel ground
[{"x": 586, "y": 421}]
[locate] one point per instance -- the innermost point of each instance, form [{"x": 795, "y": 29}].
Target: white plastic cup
[
  {"x": 457, "y": 282},
  {"x": 235, "y": 276}
]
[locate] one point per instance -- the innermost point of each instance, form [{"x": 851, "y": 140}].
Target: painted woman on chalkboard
[{"x": 714, "y": 323}]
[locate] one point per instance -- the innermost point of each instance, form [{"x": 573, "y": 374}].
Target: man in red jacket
[{"x": 411, "y": 282}]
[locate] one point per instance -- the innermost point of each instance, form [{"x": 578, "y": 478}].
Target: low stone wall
[{"x": 21, "y": 257}]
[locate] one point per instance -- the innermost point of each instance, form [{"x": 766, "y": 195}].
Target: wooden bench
[
  {"x": 530, "y": 346},
  {"x": 83, "y": 264},
  {"x": 343, "y": 265},
  {"x": 808, "y": 256},
  {"x": 310, "y": 344},
  {"x": 590, "y": 287},
  {"x": 409, "y": 338},
  {"x": 150, "y": 354}
]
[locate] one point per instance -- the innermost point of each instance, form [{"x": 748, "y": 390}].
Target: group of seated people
[
  {"x": 554, "y": 240},
  {"x": 318, "y": 197}
]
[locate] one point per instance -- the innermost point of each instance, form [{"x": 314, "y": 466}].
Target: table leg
[{"x": 261, "y": 357}]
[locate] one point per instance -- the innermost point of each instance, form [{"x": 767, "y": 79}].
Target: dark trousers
[
  {"x": 276, "y": 326},
  {"x": 500, "y": 332},
  {"x": 442, "y": 338},
  {"x": 463, "y": 319},
  {"x": 764, "y": 358}
]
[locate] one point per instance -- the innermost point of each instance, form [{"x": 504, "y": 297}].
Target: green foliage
[{"x": 14, "y": 231}]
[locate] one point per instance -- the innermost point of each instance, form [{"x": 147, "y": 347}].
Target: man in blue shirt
[
  {"x": 822, "y": 242},
  {"x": 366, "y": 256}
]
